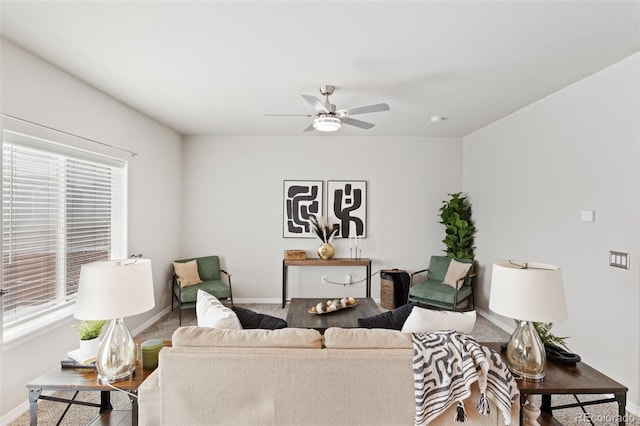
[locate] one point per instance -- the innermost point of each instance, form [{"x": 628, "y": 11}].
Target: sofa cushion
[
  {"x": 437, "y": 292},
  {"x": 423, "y": 320},
  {"x": 393, "y": 320},
  {"x": 210, "y": 312},
  {"x": 364, "y": 338},
  {"x": 250, "y": 319},
  {"x": 216, "y": 287},
  {"x": 456, "y": 272},
  {"x": 284, "y": 338},
  {"x": 187, "y": 273}
]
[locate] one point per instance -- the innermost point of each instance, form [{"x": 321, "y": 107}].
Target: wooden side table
[
  {"x": 578, "y": 379},
  {"x": 86, "y": 379},
  {"x": 320, "y": 262}
]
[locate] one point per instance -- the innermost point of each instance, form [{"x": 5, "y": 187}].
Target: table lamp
[
  {"x": 115, "y": 289},
  {"x": 528, "y": 292}
]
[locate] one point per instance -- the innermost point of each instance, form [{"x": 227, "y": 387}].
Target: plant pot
[
  {"x": 326, "y": 251},
  {"x": 90, "y": 347}
]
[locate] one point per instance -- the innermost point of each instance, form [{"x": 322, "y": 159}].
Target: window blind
[{"x": 58, "y": 212}]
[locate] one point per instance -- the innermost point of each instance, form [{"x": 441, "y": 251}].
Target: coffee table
[{"x": 298, "y": 315}]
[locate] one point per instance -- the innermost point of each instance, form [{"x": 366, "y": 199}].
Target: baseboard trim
[
  {"x": 509, "y": 327},
  {"x": 148, "y": 323},
  {"x": 634, "y": 410},
  {"x": 13, "y": 415}
]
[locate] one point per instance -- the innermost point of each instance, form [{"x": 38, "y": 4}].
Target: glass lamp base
[
  {"x": 116, "y": 358},
  {"x": 104, "y": 380},
  {"x": 526, "y": 357}
]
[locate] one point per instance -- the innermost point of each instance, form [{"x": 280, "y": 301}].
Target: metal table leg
[{"x": 34, "y": 395}]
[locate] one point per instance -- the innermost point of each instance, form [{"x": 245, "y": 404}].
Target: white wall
[
  {"x": 233, "y": 194},
  {"x": 36, "y": 91},
  {"x": 529, "y": 175}
]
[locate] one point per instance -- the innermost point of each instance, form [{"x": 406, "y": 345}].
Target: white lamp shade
[
  {"x": 114, "y": 289},
  {"x": 527, "y": 291}
]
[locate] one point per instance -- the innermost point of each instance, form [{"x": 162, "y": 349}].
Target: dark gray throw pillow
[
  {"x": 391, "y": 319},
  {"x": 250, "y": 319}
]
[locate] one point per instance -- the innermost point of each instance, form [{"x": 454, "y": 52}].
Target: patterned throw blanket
[{"x": 446, "y": 363}]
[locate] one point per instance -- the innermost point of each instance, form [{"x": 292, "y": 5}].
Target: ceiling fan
[{"x": 327, "y": 119}]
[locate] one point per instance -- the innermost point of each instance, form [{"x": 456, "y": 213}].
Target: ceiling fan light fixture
[{"x": 327, "y": 124}]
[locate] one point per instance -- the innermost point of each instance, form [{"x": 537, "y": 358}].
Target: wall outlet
[
  {"x": 348, "y": 279},
  {"x": 323, "y": 279}
]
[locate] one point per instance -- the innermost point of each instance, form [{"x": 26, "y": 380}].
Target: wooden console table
[
  {"x": 320, "y": 262},
  {"x": 561, "y": 379}
]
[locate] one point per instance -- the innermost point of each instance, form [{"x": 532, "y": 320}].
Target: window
[{"x": 61, "y": 207}]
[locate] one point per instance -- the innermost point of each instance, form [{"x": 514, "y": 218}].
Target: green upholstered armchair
[
  {"x": 210, "y": 274},
  {"x": 434, "y": 292}
]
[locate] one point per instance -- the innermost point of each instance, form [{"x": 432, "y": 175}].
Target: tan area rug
[{"x": 484, "y": 331}]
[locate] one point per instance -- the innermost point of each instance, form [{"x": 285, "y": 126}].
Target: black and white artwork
[
  {"x": 347, "y": 206},
  {"x": 302, "y": 198}
]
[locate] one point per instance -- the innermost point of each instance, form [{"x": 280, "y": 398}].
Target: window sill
[{"x": 23, "y": 333}]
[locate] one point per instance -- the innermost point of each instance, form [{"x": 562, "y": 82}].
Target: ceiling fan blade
[
  {"x": 287, "y": 115},
  {"x": 364, "y": 109},
  {"x": 309, "y": 128},
  {"x": 319, "y": 105},
  {"x": 357, "y": 123}
]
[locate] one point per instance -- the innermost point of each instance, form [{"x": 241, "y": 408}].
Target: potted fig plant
[{"x": 455, "y": 215}]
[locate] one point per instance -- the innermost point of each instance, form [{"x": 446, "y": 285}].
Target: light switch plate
[{"x": 619, "y": 259}]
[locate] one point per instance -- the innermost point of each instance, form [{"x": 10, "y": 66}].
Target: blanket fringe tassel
[
  {"x": 483, "y": 405},
  {"x": 460, "y": 416}
]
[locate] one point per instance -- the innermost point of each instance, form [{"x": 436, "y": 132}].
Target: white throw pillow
[
  {"x": 422, "y": 320},
  {"x": 212, "y": 313},
  {"x": 456, "y": 272}
]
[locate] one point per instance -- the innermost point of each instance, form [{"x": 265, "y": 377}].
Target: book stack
[
  {"x": 78, "y": 359},
  {"x": 69, "y": 363}
]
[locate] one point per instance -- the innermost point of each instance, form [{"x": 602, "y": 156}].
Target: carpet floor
[{"x": 484, "y": 331}]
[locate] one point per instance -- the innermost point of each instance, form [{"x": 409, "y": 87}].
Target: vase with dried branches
[{"x": 325, "y": 231}]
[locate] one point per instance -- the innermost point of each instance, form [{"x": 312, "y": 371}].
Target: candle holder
[{"x": 357, "y": 244}]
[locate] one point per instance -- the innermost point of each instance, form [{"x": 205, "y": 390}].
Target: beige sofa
[{"x": 289, "y": 377}]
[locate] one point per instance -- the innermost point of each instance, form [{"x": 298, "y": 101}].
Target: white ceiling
[{"x": 215, "y": 67}]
